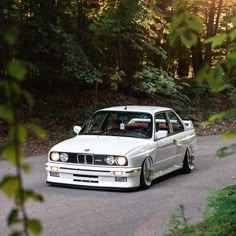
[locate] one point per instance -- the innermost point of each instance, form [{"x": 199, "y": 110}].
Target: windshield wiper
[{"x": 92, "y": 133}]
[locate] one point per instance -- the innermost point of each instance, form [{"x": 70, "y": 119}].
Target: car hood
[{"x": 106, "y": 145}]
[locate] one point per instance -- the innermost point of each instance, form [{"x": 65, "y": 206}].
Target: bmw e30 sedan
[{"x": 124, "y": 147}]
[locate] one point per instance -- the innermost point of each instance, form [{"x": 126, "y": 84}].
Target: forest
[
  {"x": 76, "y": 56},
  {"x": 119, "y": 44},
  {"x": 80, "y": 55}
]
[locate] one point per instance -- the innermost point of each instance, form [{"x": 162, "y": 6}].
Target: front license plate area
[{"x": 121, "y": 179}]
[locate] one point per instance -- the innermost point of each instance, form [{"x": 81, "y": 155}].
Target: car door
[
  {"x": 165, "y": 148},
  {"x": 178, "y": 134}
]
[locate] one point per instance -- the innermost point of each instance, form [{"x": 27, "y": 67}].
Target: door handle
[{"x": 177, "y": 142}]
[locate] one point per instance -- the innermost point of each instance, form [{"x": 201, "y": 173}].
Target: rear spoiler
[{"x": 188, "y": 124}]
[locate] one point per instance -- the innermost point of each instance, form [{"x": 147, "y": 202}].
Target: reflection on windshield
[{"x": 124, "y": 124}]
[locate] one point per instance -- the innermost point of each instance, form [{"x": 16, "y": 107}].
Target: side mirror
[
  {"x": 161, "y": 134},
  {"x": 77, "y": 129}
]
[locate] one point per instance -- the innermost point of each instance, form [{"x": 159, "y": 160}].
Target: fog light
[{"x": 54, "y": 174}]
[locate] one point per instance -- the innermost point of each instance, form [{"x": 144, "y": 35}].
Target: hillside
[{"x": 58, "y": 109}]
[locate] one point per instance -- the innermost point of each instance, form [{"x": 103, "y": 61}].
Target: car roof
[{"x": 148, "y": 109}]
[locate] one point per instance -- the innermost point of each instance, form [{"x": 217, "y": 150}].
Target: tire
[
  {"x": 189, "y": 162},
  {"x": 145, "y": 177}
]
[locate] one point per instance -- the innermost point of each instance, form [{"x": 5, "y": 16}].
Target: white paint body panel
[
  {"x": 167, "y": 155},
  {"x": 109, "y": 145}
]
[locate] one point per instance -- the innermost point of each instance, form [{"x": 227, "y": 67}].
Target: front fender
[{"x": 137, "y": 156}]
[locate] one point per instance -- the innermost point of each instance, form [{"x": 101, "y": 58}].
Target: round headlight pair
[
  {"x": 110, "y": 160},
  {"x": 119, "y": 160},
  {"x": 55, "y": 156},
  {"x": 64, "y": 157}
]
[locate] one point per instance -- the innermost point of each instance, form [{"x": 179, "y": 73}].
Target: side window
[
  {"x": 176, "y": 124},
  {"x": 161, "y": 122}
]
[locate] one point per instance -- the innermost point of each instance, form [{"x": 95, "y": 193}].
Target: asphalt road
[{"x": 73, "y": 212}]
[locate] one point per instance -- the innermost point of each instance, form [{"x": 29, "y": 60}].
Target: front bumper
[{"x": 93, "y": 176}]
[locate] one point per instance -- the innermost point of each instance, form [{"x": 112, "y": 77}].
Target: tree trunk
[
  {"x": 3, "y": 47},
  {"x": 183, "y": 63},
  {"x": 48, "y": 10},
  {"x": 218, "y": 16},
  {"x": 210, "y": 33},
  {"x": 197, "y": 58}
]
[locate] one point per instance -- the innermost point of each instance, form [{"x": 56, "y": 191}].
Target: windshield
[{"x": 119, "y": 123}]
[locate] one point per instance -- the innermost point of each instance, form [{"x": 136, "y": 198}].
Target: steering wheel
[{"x": 139, "y": 132}]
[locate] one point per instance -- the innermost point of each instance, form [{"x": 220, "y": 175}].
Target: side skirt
[{"x": 166, "y": 171}]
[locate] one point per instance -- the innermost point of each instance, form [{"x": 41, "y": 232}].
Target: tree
[{"x": 219, "y": 218}]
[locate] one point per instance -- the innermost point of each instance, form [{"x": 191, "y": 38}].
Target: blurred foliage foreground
[
  {"x": 220, "y": 216},
  {"x": 12, "y": 185}
]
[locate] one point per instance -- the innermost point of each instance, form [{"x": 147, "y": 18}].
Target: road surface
[{"x": 73, "y": 212}]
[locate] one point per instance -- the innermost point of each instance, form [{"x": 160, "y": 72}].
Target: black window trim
[
  {"x": 180, "y": 120},
  {"x": 168, "y": 123}
]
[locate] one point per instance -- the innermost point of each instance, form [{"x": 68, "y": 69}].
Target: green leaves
[
  {"x": 214, "y": 77},
  {"x": 26, "y": 168},
  {"x": 34, "y": 226},
  {"x": 6, "y": 114},
  {"x": 188, "y": 38},
  {"x": 17, "y": 133},
  {"x": 184, "y": 26},
  {"x": 178, "y": 222},
  {"x": 217, "y": 40},
  {"x": 37, "y": 130},
  {"x": 29, "y": 194},
  {"x": 221, "y": 115},
  {"x": 226, "y": 151},
  {"x": 16, "y": 233},
  {"x": 10, "y": 37},
  {"x": 10, "y": 185},
  {"x": 152, "y": 80},
  {"x": 17, "y": 70},
  {"x": 13, "y": 217},
  {"x": 8, "y": 152},
  {"x": 219, "y": 217},
  {"x": 228, "y": 136},
  {"x": 12, "y": 151}
]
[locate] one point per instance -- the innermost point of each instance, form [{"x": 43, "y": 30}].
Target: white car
[{"x": 124, "y": 147}]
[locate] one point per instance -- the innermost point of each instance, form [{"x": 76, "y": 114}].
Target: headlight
[
  {"x": 110, "y": 160},
  {"x": 64, "y": 157},
  {"x": 54, "y": 156},
  {"x": 121, "y": 161}
]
